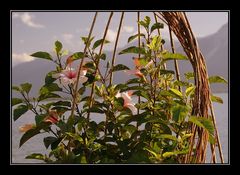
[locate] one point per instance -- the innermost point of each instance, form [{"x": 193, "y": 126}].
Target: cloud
[
  {"x": 111, "y": 35},
  {"x": 27, "y": 19},
  {"x": 68, "y": 37},
  {"x": 21, "y": 58},
  {"x": 128, "y": 29}
]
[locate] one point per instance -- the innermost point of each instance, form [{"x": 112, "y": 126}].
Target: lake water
[{"x": 35, "y": 144}]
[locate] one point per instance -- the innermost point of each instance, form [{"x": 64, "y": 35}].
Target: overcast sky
[{"x": 37, "y": 31}]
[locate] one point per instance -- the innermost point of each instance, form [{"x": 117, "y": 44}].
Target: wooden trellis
[{"x": 179, "y": 25}]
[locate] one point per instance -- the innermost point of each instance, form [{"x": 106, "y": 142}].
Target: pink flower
[
  {"x": 52, "y": 117},
  {"x": 127, "y": 100},
  {"x": 138, "y": 66},
  {"x": 69, "y": 75},
  {"x": 26, "y": 127},
  {"x": 136, "y": 72}
]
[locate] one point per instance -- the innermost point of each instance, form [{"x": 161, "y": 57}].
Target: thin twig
[{"x": 79, "y": 68}]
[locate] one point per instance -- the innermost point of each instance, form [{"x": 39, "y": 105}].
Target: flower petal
[
  {"x": 83, "y": 79},
  {"x": 131, "y": 107}
]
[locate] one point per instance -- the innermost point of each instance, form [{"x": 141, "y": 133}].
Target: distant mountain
[{"x": 214, "y": 48}]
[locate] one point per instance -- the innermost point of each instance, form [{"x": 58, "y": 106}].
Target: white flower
[
  {"x": 69, "y": 76},
  {"x": 127, "y": 100}
]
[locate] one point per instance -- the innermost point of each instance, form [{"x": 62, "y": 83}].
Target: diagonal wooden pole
[{"x": 70, "y": 119}]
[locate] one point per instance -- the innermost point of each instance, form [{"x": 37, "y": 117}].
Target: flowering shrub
[{"x": 153, "y": 130}]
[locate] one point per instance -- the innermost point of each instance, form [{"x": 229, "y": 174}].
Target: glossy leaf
[
  {"x": 95, "y": 110},
  {"x": 37, "y": 156},
  {"x": 32, "y": 132},
  {"x": 132, "y": 49},
  {"x": 203, "y": 123},
  {"x": 50, "y": 88},
  {"x": 19, "y": 111},
  {"x": 58, "y": 46},
  {"x": 119, "y": 67},
  {"x": 16, "y": 101},
  {"x": 155, "y": 43},
  {"x": 62, "y": 103},
  {"x": 216, "y": 99},
  {"x": 16, "y": 88},
  {"x": 26, "y": 87},
  {"x": 176, "y": 92},
  {"x": 173, "y": 56},
  {"x": 217, "y": 79},
  {"x": 77, "y": 55},
  {"x": 157, "y": 26},
  {"x": 49, "y": 140},
  {"x": 166, "y": 136},
  {"x": 48, "y": 95},
  {"x": 179, "y": 113},
  {"x": 189, "y": 75},
  {"x": 189, "y": 90},
  {"x": 49, "y": 79},
  {"x": 85, "y": 40},
  {"x": 162, "y": 72},
  {"x": 99, "y": 42},
  {"x": 135, "y": 36},
  {"x": 43, "y": 55},
  {"x": 169, "y": 154}
]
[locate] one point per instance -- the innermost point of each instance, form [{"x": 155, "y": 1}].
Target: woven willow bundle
[
  {"x": 202, "y": 105},
  {"x": 178, "y": 23}
]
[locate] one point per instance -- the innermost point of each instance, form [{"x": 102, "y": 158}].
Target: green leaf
[
  {"x": 62, "y": 103},
  {"x": 32, "y": 132},
  {"x": 140, "y": 156},
  {"x": 81, "y": 90},
  {"x": 169, "y": 154},
  {"x": 155, "y": 43},
  {"x": 16, "y": 101},
  {"x": 145, "y": 23},
  {"x": 135, "y": 36},
  {"x": 58, "y": 46},
  {"x": 99, "y": 42},
  {"x": 35, "y": 156},
  {"x": 181, "y": 83},
  {"x": 216, "y": 99},
  {"x": 176, "y": 92},
  {"x": 95, "y": 110},
  {"x": 147, "y": 20},
  {"x": 203, "y": 123},
  {"x": 48, "y": 95},
  {"x": 134, "y": 80},
  {"x": 157, "y": 26},
  {"x": 189, "y": 75},
  {"x": 85, "y": 39},
  {"x": 166, "y": 136},
  {"x": 180, "y": 112},
  {"x": 61, "y": 109},
  {"x": 173, "y": 56},
  {"x": 40, "y": 118},
  {"x": 16, "y": 88},
  {"x": 43, "y": 55},
  {"x": 119, "y": 67},
  {"x": 49, "y": 140},
  {"x": 49, "y": 79},
  {"x": 77, "y": 55},
  {"x": 19, "y": 111},
  {"x": 26, "y": 87},
  {"x": 102, "y": 56},
  {"x": 50, "y": 88},
  {"x": 217, "y": 79},
  {"x": 133, "y": 49},
  {"x": 162, "y": 72},
  {"x": 90, "y": 65},
  {"x": 189, "y": 90}
]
